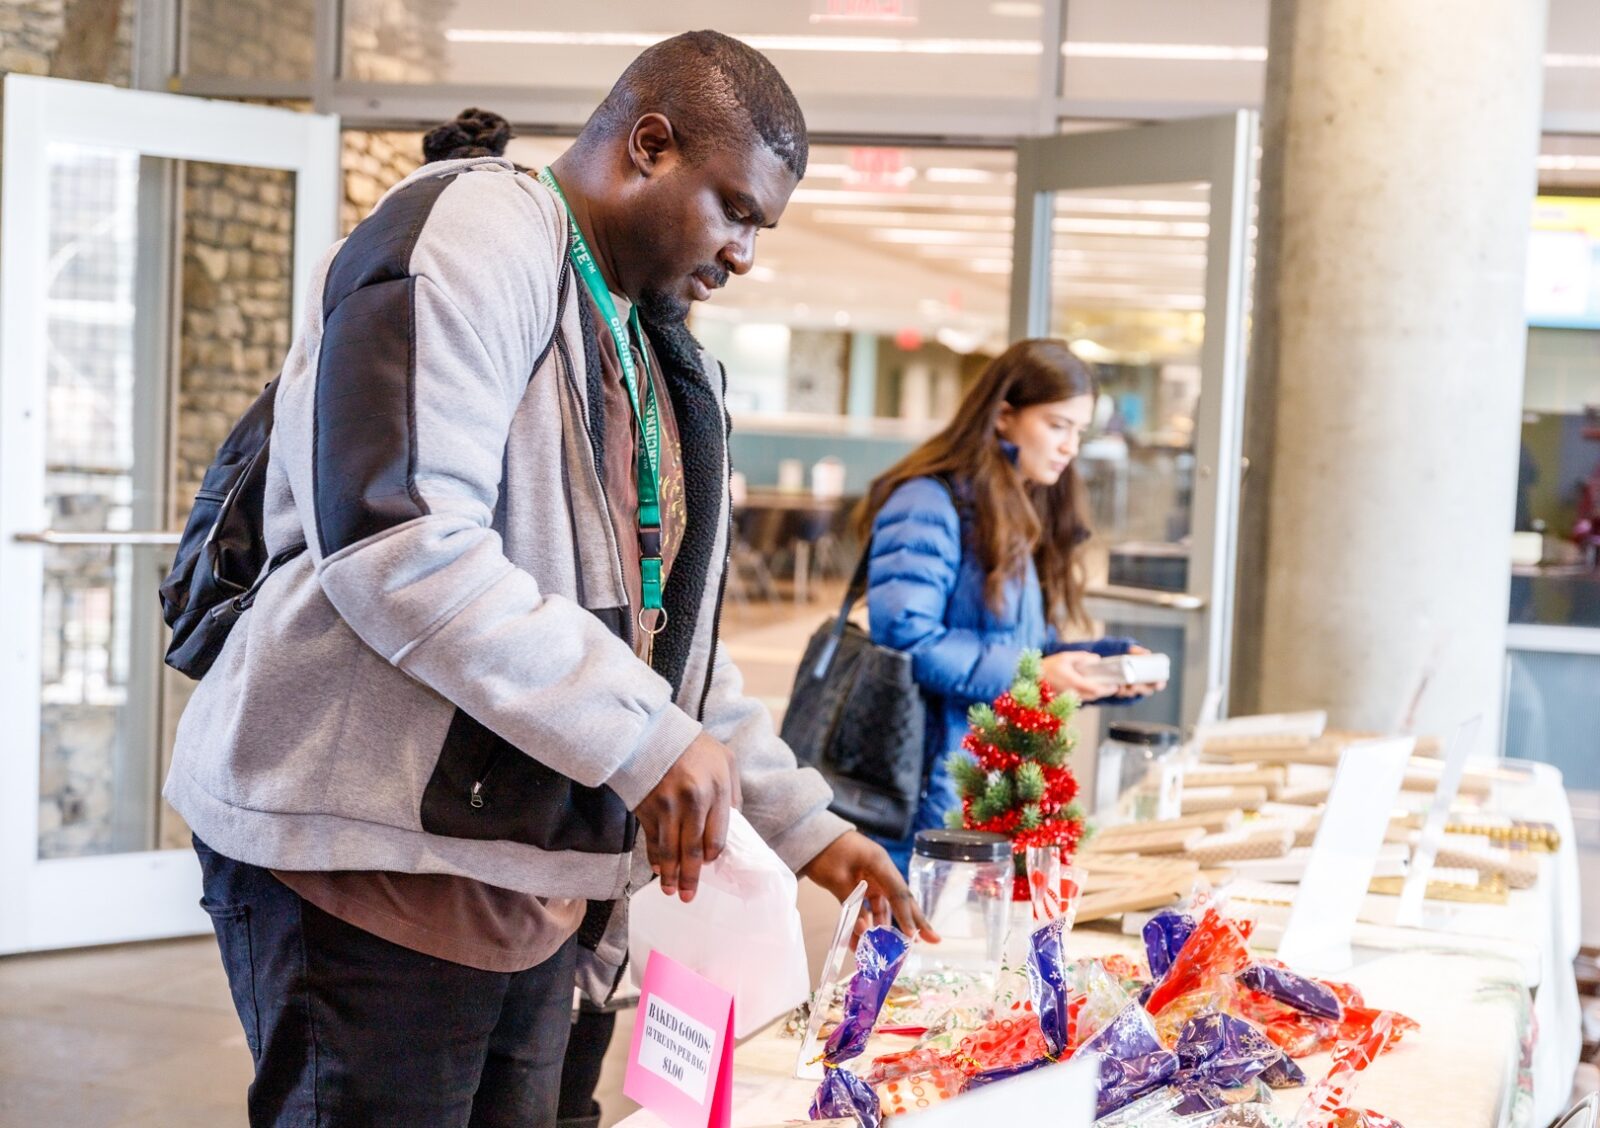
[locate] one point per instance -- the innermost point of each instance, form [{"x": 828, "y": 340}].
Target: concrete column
[{"x": 1399, "y": 145}]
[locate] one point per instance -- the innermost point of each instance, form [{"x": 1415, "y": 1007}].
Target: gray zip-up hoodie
[{"x": 445, "y": 682}]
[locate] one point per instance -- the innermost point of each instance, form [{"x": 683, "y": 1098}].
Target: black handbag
[{"x": 856, "y": 715}]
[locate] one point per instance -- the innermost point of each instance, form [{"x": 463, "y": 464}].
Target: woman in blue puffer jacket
[{"x": 975, "y": 554}]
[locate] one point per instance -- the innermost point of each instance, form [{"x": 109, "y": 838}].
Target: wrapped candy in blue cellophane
[
  {"x": 1284, "y": 1073},
  {"x": 1123, "y": 1079},
  {"x": 842, "y": 1094},
  {"x": 1164, "y": 937},
  {"x": 1049, "y": 987},
  {"x": 1222, "y": 1064},
  {"x": 878, "y": 958},
  {"x": 1184, "y": 1105}
]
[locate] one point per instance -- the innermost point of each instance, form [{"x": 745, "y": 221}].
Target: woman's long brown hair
[{"x": 1012, "y": 517}]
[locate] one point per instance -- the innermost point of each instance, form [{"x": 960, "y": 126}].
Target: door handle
[
  {"x": 96, "y": 540},
  {"x": 1146, "y": 597}
]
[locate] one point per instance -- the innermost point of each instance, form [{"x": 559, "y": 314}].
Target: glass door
[
  {"x": 1135, "y": 245},
  {"x": 152, "y": 249}
]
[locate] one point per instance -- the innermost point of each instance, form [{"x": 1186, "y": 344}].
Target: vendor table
[
  {"x": 1458, "y": 1071},
  {"x": 1466, "y": 977}
]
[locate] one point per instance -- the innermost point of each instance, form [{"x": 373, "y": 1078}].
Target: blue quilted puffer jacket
[{"x": 925, "y": 596}]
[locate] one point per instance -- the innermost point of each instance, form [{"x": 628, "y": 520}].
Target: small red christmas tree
[{"x": 1012, "y": 772}]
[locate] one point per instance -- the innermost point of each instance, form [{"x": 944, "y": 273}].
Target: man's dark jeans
[{"x": 347, "y": 1029}]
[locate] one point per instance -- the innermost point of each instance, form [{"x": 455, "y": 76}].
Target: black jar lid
[
  {"x": 963, "y": 845},
  {"x": 1144, "y": 732}
]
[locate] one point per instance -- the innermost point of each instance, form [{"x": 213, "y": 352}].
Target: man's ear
[{"x": 651, "y": 141}]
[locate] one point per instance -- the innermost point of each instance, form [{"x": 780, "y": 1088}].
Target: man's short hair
[{"x": 715, "y": 90}]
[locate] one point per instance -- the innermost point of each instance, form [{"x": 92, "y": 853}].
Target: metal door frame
[
  {"x": 1220, "y": 151},
  {"x": 139, "y": 895}
]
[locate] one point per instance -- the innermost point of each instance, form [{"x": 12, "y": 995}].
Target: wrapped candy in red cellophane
[
  {"x": 1300, "y": 1035},
  {"x": 1215, "y": 949}
]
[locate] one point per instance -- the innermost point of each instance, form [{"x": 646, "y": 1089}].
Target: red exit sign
[
  {"x": 879, "y": 168},
  {"x": 864, "y": 11}
]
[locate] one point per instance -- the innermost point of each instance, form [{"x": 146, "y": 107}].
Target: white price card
[
  {"x": 1344, "y": 855},
  {"x": 1457, "y": 749}
]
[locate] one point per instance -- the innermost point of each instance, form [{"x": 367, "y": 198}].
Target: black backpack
[{"x": 222, "y": 561}]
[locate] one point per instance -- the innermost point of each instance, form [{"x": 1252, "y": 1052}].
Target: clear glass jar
[
  {"x": 1137, "y": 776},
  {"x": 962, "y": 882}
]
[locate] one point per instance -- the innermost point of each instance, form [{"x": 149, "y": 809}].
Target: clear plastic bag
[{"x": 742, "y": 930}]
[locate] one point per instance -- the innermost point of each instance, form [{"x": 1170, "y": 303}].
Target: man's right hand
[{"x": 685, "y": 819}]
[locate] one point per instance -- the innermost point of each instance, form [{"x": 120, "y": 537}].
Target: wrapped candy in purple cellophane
[
  {"x": 1224, "y": 1051},
  {"x": 842, "y": 1094},
  {"x": 878, "y": 958},
  {"x": 1215, "y": 1052},
  {"x": 1047, "y": 982},
  {"x": 1304, "y": 995},
  {"x": 1133, "y": 1061}
]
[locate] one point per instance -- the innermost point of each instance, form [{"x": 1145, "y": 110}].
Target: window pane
[
  {"x": 1165, "y": 52},
  {"x": 95, "y": 786},
  {"x": 1128, "y": 287},
  {"x": 107, "y": 706},
  {"x": 1572, "y": 59}
]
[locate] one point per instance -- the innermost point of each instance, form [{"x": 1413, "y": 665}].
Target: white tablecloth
[{"x": 1556, "y": 1004}]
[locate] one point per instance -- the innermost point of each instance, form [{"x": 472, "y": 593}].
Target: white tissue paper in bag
[{"x": 741, "y": 931}]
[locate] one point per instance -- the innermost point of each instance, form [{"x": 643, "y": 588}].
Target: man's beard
[
  {"x": 667, "y": 319},
  {"x": 662, "y": 309}
]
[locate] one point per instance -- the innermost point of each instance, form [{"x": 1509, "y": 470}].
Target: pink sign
[{"x": 680, "y": 1066}]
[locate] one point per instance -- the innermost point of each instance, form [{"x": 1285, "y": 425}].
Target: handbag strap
[{"x": 853, "y": 594}]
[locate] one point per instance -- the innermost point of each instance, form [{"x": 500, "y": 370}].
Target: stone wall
[
  {"x": 374, "y": 163},
  {"x": 31, "y": 38},
  {"x": 237, "y": 323},
  {"x": 397, "y": 40},
  {"x": 236, "y": 316},
  {"x": 271, "y": 39},
  {"x": 29, "y": 32}
]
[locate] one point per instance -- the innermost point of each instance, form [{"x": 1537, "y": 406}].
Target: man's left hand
[{"x": 852, "y": 858}]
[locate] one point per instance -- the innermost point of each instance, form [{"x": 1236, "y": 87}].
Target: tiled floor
[
  {"x": 145, "y": 1036},
  {"x": 138, "y": 1035}
]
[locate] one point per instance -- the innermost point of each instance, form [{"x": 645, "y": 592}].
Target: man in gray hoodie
[{"x": 419, "y": 768}]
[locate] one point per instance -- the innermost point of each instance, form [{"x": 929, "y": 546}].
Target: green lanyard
[{"x": 647, "y": 465}]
